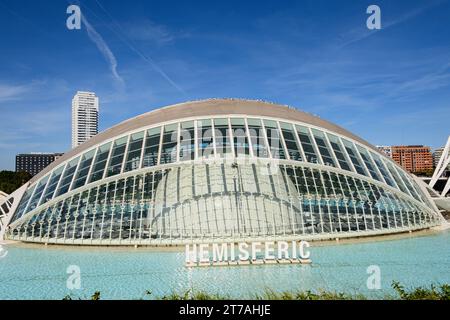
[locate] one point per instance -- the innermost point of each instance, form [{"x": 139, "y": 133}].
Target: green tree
[
  {"x": 424, "y": 173},
  {"x": 11, "y": 181}
]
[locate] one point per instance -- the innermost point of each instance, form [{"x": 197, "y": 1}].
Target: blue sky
[{"x": 390, "y": 86}]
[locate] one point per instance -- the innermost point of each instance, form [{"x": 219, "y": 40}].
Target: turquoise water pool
[{"x": 40, "y": 272}]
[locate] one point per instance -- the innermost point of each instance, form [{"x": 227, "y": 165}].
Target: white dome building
[{"x": 218, "y": 170}]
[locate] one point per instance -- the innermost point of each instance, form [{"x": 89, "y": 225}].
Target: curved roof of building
[{"x": 201, "y": 108}]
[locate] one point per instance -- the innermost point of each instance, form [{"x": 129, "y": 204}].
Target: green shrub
[
  {"x": 194, "y": 295},
  {"x": 441, "y": 292},
  {"x": 435, "y": 292}
]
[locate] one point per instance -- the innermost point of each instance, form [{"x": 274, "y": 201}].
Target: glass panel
[
  {"x": 338, "y": 152},
  {"x": 409, "y": 185},
  {"x": 23, "y": 204},
  {"x": 48, "y": 194},
  {"x": 292, "y": 146},
  {"x": 52, "y": 184},
  {"x": 221, "y": 132},
  {"x": 100, "y": 162},
  {"x": 152, "y": 147},
  {"x": 382, "y": 169},
  {"x": 205, "y": 138},
  {"x": 187, "y": 141},
  {"x": 169, "y": 144},
  {"x": 354, "y": 157},
  {"x": 68, "y": 175},
  {"x": 397, "y": 178},
  {"x": 369, "y": 164},
  {"x": 117, "y": 154},
  {"x": 422, "y": 195},
  {"x": 324, "y": 148},
  {"x": 83, "y": 169},
  {"x": 134, "y": 151},
  {"x": 308, "y": 148},
  {"x": 273, "y": 137},
  {"x": 257, "y": 138},
  {"x": 240, "y": 140},
  {"x": 37, "y": 194}
]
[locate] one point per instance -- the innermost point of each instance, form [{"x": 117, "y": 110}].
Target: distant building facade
[
  {"x": 85, "y": 106},
  {"x": 437, "y": 154},
  {"x": 415, "y": 158},
  {"x": 387, "y": 150},
  {"x": 33, "y": 163}
]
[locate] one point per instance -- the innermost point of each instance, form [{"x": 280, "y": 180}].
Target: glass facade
[
  {"x": 173, "y": 182},
  {"x": 204, "y": 139},
  {"x": 134, "y": 153}
]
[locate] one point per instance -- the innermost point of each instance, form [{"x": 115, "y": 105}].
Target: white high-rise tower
[{"x": 84, "y": 117}]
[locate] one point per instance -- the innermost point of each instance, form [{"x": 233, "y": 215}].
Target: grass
[
  {"x": 434, "y": 292},
  {"x": 307, "y": 295}
]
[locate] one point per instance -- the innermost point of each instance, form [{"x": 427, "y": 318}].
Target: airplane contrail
[{"x": 104, "y": 49}]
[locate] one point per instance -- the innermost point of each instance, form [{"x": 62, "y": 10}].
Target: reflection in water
[{"x": 126, "y": 273}]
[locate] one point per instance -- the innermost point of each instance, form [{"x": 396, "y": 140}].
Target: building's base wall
[{"x": 182, "y": 242}]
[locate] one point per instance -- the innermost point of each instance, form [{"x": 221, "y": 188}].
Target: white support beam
[
  {"x": 446, "y": 188},
  {"x": 443, "y": 163},
  {"x": 5, "y": 218}
]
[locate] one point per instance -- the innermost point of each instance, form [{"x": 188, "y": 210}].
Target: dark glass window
[
  {"x": 23, "y": 204},
  {"x": 240, "y": 140},
  {"x": 222, "y": 136},
  {"x": 83, "y": 169},
  {"x": 409, "y": 185},
  {"x": 133, "y": 161},
  {"x": 274, "y": 139},
  {"x": 187, "y": 141},
  {"x": 396, "y": 177},
  {"x": 369, "y": 164},
  {"x": 100, "y": 162},
  {"x": 117, "y": 154},
  {"x": 52, "y": 184},
  {"x": 151, "y": 147},
  {"x": 68, "y": 177},
  {"x": 324, "y": 149},
  {"x": 257, "y": 138},
  {"x": 292, "y": 146},
  {"x": 382, "y": 169},
  {"x": 307, "y": 145},
  {"x": 169, "y": 144},
  {"x": 338, "y": 152},
  {"x": 351, "y": 151},
  {"x": 205, "y": 138},
  {"x": 37, "y": 194}
]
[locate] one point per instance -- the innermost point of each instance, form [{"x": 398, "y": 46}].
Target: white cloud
[
  {"x": 104, "y": 49},
  {"x": 124, "y": 37},
  {"x": 149, "y": 31},
  {"x": 12, "y": 92}
]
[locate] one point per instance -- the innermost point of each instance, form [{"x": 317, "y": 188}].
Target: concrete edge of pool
[{"x": 179, "y": 247}]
